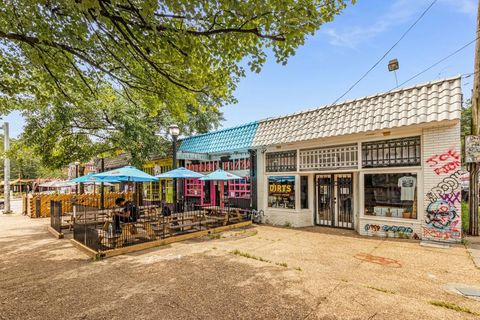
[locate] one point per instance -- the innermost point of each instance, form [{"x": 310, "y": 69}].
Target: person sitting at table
[{"x": 126, "y": 215}]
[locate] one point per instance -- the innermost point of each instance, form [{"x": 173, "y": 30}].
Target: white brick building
[{"x": 385, "y": 165}]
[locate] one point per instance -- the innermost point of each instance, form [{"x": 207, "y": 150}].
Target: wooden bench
[
  {"x": 130, "y": 231},
  {"x": 181, "y": 226},
  {"x": 226, "y": 216},
  {"x": 235, "y": 216}
]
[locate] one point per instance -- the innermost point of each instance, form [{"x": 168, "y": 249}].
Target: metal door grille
[
  {"x": 334, "y": 200},
  {"x": 344, "y": 201},
  {"x": 324, "y": 200}
]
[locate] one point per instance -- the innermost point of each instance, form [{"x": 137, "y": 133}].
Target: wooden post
[
  {"x": 474, "y": 167},
  {"x": 102, "y": 186}
]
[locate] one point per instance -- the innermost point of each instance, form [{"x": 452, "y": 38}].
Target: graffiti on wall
[
  {"x": 442, "y": 220},
  {"x": 393, "y": 231},
  {"x": 445, "y": 163},
  {"x": 451, "y": 198},
  {"x": 448, "y": 185},
  {"x": 372, "y": 227},
  {"x": 441, "y": 215}
]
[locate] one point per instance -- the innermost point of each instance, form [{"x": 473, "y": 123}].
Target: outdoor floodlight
[{"x": 393, "y": 65}]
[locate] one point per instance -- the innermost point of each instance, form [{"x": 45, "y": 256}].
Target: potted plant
[{"x": 406, "y": 214}]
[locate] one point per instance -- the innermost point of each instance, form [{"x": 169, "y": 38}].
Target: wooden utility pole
[{"x": 474, "y": 167}]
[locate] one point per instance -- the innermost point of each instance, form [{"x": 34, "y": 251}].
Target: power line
[
  {"x": 372, "y": 67},
  {"x": 466, "y": 75},
  {"x": 386, "y": 53},
  {"x": 440, "y": 61}
]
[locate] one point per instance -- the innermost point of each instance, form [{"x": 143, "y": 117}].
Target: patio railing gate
[
  {"x": 56, "y": 215},
  {"x": 103, "y": 230}
]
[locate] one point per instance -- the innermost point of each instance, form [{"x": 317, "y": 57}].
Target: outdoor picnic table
[
  {"x": 92, "y": 217},
  {"x": 215, "y": 210},
  {"x": 130, "y": 231},
  {"x": 225, "y": 214}
]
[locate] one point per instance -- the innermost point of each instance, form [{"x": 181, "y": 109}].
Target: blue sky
[{"x": 341, "y": 51}]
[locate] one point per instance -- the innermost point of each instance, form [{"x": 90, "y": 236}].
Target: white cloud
[
  {"x": 400, "y": 12},
  {"x": 463, "y": 6}
]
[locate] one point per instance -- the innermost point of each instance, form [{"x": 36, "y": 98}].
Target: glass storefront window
[
  {"x": 304, "y": 192},
  {"x": 391, "y": 195},
  {"x": 281, "y": 192},
  {"x": 239, "y": 188}
]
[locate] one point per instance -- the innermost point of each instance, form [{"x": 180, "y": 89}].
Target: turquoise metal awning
[{"x": 231, "y": 139}]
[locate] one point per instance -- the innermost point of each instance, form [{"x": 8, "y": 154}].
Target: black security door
[
  {"x": 334, "y": 198},
  {"x": 325, "y": 200},
  {"x": 344, "y": 207}
]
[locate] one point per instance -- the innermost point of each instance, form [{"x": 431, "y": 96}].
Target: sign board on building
[
  {"x": 472, "y": 149},
  {"x": 192, "y": 156},
  {"x": 281, "y": 192}
]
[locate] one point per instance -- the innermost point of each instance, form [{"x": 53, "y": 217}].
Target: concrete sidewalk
[{"x": 473, "y": 247}]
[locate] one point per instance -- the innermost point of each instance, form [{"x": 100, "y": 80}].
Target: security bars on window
[
  {"x": 391, "y": 153},
  {"x": 329, "y": 158},
  {"x": 285, "y": 161}
]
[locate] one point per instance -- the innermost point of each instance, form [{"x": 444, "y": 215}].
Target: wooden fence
[{"x": 38, "y": 205}]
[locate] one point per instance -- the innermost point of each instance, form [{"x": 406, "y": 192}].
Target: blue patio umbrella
[
  {"x": 126, "y": 174},
  {"x": 220, "y": 175},
  {"x": 180, "y": 173},
  {"x": 90, "y": 178}
]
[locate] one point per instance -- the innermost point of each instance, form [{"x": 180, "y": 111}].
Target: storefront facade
[
  {"x": 161, "y": 191},
  {"x": 387, "y": 165},
  {"x": 230, "y": 150}
]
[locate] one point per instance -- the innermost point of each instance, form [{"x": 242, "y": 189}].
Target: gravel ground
[{"x": 312, "y": 273}]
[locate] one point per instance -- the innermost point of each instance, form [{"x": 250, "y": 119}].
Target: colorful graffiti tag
[
  {"x": 442, "y": 221},
  {"x": 452, "y": 198},
  {"x": 372, "y": 227},
  {"x": 399, "y": 229},
  {"x": 394, "y": 231},
  {"x": 450, "y": 184},
  {"x": 441, "y": 215},
  {"x": 445, "y": 163}
]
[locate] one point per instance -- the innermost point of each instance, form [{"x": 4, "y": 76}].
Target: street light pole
[
  {"x": 174, "y": 131},
  {"x": 6, "y": 183}
]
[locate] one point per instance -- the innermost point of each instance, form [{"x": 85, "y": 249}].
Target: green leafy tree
[
  {"x": 95, "y": 75},
  {"x": 25, "y": 164},
  {"x": 466, "y": 124}
]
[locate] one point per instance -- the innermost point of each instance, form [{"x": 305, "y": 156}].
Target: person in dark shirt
[{"x": 121, "y": 216}]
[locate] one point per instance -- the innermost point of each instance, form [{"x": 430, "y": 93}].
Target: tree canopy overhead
[{"x": 67, "y": 64}]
